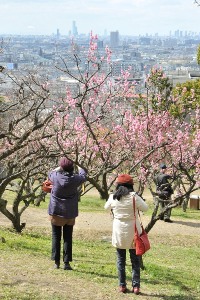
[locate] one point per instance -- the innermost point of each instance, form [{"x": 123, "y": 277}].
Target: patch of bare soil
[
  {"x": 92, "y": 221},
  {"x": 36, "y": 274}
]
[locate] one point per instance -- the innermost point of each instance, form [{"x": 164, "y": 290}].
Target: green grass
[
  {"x": 91, "y": 203},
  {"x": 177, "y": 212},
  {"x": 88, "y": 203},
  {"x": 189, "y": 214},
  {"x": 172, "y": 265}
]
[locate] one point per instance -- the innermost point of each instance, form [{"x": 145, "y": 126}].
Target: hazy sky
[{"x": 131, "y": 17}]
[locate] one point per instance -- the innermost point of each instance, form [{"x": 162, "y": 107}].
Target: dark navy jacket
[{"x": 64, "y": 194}]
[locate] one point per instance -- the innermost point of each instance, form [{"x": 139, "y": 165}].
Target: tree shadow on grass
[
  {"x": 186, "y": 223},
  {"x": 153, "y": 283},
  {"x": 165, "y": 297},
  {"x": 158, "y": 276},
  {"x": 96, "y": 274},
  {"x": 187, "y": 292}
]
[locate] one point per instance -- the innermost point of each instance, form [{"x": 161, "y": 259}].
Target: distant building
[
  {"x": 145, "y": 41},
  {"x": 194, "y": 75},
  {"x": 114, "y": 39},
  {"x": 40, "y": 52},
  {"x": 12, "y": 66},
  {"x": 74, "y": 29},
  {"x": 179, "y": 76},
  {"x": 100, "y": 44},
  {"x": 58, "y": 34}
]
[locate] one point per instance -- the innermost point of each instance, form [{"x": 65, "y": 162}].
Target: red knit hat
[
  {"x": 124, "y": 178},
  {"x": 66, "y": 164}
]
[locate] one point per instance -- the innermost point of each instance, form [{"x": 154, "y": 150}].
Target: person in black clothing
[{"x": 164, "y": 191}]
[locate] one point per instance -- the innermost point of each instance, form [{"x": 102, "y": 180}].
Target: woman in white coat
[{"x": 121, "y": 205}]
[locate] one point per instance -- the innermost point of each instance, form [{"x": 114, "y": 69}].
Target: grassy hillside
[{"x": 171, "y": 266}]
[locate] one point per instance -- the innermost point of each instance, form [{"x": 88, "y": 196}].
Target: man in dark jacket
[{"x": 164, "y": 191}]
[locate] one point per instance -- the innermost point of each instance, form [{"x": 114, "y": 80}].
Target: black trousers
[{"x": 57, "y": 232}]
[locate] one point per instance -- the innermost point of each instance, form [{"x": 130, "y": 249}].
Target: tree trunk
[
  {"x": 103, "y": 190},
  {"x": 16, "y": 224},
  {"x": 15, "y": 219},
  {"x": 185, "y": 203}
]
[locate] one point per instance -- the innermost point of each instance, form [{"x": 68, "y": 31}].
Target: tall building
[
  {"x": 74, "y": 29},
  {"x": 177, "y": 33},
  {"x": 100, "y": 44},
  {"x": 58, "y": 34},
  {"x": 114, "y": 39}
]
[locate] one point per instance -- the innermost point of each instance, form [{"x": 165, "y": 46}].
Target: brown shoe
[
  {"x": 136, "y": 290},
  {"x": 122, "y": 289}
]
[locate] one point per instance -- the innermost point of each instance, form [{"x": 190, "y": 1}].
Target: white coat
[{"x": 124, "y": 220}]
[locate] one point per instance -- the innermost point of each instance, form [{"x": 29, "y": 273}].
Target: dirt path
[{"x": 103, "y": 221}]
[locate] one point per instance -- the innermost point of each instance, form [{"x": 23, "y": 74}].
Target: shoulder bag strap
[{"x": 135, "y": 214}]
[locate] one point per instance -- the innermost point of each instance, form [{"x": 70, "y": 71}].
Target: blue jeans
[
  {"x": 121, "y": 265},
  {"x": 57, "y": 232}
]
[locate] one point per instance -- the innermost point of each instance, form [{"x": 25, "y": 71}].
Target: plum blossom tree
[
  {"x": 182, "y": 157},
  {"x": 96, "y": 127},
  {"x": 101, "y": 131},
  {"x": 24, "y": 116},
  {"x": 181, "y": 106},
  {"x": 100, "y": 125}
]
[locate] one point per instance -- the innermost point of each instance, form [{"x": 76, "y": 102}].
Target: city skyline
[{"x": 129, "y": 17}]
